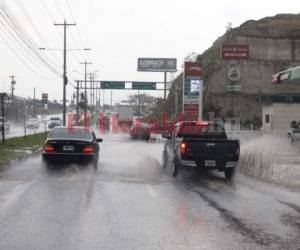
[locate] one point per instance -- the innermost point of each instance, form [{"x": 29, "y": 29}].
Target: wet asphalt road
[{"x": 131, "y": 203}]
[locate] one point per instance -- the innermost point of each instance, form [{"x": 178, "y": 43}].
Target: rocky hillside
[{"x": 274, "y": 45}]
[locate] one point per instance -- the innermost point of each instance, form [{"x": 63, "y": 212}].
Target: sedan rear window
[{"x": 70, "y": 134}]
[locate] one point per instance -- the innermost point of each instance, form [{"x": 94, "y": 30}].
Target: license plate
[
  {"x": 68, "y": 148},
  {"x": 210, "y": 163}
]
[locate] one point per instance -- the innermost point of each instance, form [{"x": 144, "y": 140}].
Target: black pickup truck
[{"x": 200, "y": 145}]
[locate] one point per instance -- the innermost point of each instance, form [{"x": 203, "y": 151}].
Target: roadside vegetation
[{"x": 16, "y": 148}]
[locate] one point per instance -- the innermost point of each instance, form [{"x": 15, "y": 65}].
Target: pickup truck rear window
[{"x": 209, "y": 131}]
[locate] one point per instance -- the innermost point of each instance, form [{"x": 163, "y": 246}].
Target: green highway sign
[
  {"x": 112, "y": 85},
  {"x": 144, "y": 85},
  {"x": 234, "y": 88}
]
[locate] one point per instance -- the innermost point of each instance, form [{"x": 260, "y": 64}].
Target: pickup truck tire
[
  {"x": 229, "y": 173},
  {"x": 290, "y": 137},
  {"x": 175, "y": 168}
]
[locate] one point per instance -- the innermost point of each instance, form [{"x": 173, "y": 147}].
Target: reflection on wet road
[{"x": 131, "y": 203}]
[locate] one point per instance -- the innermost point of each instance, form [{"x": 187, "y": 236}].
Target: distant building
[{"x": 279, "y": 111}]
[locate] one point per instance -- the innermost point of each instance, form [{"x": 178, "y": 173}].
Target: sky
[{"x": 117, "y": 32}]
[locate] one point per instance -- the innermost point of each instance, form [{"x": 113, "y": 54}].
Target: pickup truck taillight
[
  {"x": 238, "y": 151},
  {"x": 183, "y": 147}
]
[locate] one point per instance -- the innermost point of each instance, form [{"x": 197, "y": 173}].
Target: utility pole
[
  {"x": 65, "y": 79},
  {"x": 176, "y": 101},
  {"x": 33, "y": 103},
  {"x": 3, "y": 95},
  {"x": 13, "y": 82},
  {"x": 165, "y": 85},
  {"x": 77, "y": 101},
  {"x": 139, "y": 106},
  {"x": 85, "y": 83},
  {"x": 111, "y": 100}
]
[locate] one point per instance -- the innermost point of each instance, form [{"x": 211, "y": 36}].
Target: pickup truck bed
[{"x": 203, "y": 149}]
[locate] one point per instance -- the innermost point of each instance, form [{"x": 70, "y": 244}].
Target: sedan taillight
[
  {"x": 48, "y": 148},
  {"x": 88, "y": 149}
]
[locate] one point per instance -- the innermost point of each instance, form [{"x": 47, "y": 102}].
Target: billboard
[
  {"x": 235, "y": 51},
  {"x": 193, "y": 91},
  {"x": 157, "y": 64},
  {"x": 45, "y": 98}
]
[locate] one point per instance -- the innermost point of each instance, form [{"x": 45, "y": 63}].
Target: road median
[{"x": 19, "y": 147}]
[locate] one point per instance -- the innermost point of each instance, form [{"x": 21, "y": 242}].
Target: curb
[{"x": 20, "y": 158}]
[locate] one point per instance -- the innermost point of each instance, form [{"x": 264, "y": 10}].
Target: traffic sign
[
  {"x": 112, "y": 85},
  {"x": 234, "y": 51},
  {"x": 234, "y": 88},
  {"x": 144, "y": 85},
  {"x": 234, "y": 73}
]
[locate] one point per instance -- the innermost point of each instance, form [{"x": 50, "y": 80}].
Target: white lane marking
[
  {"x": 10, "y": 198},
  {"x": 151, "y": 191}
]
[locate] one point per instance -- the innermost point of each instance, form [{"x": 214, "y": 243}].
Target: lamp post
[{"x": 3, "y": 96}]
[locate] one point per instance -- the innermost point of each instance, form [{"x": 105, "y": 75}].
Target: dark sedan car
[
  {"x": 76, "y": 144},
  {"x": 140, "y": 131}
]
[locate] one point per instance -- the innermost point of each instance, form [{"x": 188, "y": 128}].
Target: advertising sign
[
  {"x": 235, "y": 51},
  {"x": 45, "y": 98},
  {"x": 193, "y": 91},
  {"x": 157, "y": 64},
  {"x": 193, "y": 69}
]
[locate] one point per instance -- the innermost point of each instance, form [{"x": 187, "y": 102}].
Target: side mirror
[
  {"x": 99, "y": 140},
  {"x": 166, "y": 136}
]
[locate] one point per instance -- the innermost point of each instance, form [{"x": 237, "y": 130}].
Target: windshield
[
  {"x": 150, "y": 125},
  {"x": 72, "y": 133}
]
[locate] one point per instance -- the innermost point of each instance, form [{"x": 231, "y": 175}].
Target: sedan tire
[{"x": 174, "y": 168}]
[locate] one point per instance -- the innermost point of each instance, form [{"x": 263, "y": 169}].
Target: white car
[
  {"x": 32, "y": 123},
  {"x": 294, "y": 131},
  {"x": 54, "y": 122}
]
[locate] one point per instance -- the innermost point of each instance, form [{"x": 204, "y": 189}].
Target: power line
[
  {"x": 59, "y": 9},
  {"x": 23, "y": 36},
  {"x": 77, "y": 28},
  {"x": 35, "y": 29},
  {"x": 23, "y": 52},
  {"x": 62, "y": 15}
]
